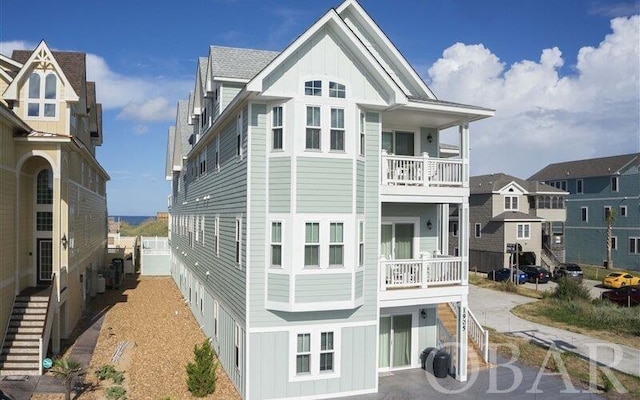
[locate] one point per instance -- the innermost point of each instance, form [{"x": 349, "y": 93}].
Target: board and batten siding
[
  {"x": 269, "y": 370},
  {"x": 324, "y": 185}
]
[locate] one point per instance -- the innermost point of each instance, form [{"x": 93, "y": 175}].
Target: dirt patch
[{"x": 152, "y": 317}]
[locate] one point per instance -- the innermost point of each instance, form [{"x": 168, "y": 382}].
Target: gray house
[
  {"x": 596, "y": 186},
  {"x": 505, "y": 209},
  {"x": 309, "y": 212}
]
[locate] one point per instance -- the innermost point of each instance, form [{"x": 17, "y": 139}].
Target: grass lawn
[
  {"x": 480, "y": 281},
  {"x": 578, "y": 369},
  {"x": 596, "y": 273}
]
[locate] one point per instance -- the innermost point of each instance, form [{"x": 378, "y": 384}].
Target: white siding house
[{"x": 309, "y": 211}]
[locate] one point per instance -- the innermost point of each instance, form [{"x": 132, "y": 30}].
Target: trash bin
[
  {"x": 101, "y": 283},
  {"x": 425, "y": 355},
  {"x": 441, "y": 364}
]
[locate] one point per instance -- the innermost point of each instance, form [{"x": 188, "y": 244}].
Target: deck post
[{"x": 461, "y": 349}]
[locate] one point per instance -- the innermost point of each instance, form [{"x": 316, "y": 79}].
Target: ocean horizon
[{"x": 132, "y": 220}]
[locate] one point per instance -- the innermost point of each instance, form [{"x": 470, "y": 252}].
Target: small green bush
[
  {"x": 108, "y": 371},
  {"x": 201, "y": 374},
  {"x": 116, "y": 393},
  {"x": 569, "y": 289}
]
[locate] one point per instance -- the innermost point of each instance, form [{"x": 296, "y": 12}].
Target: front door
[
  {"x": 45, "y": 261},
  {"x": 395, "y": 341}
]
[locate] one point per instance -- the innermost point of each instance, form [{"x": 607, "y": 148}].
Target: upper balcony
[{"x": 421, "y": 178}]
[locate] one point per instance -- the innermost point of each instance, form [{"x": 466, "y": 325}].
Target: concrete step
[
  {"x": 20, "y": 350},
  {"x": 32, "y": 298},
  {"x": 11, "y": 342},
  {"x": 29, "y": 317},
  {"x": 31, "y": 304},
  {"x": 30, "y": 310},
  {"x": 20, "y": 365}
]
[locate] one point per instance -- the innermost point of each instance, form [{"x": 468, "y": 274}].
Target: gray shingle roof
[
  {"x": 515, "y": 216},
  {"x": 229, "y": 62},
  {"x": 494, "y": 182},
  {"x": 183, "y": 131},
  {"x": 604, "y": 166}
]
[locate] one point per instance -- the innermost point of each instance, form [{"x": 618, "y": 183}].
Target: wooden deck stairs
[
  {"x": 20, "y": 354},
  {"x": 449, "y": 320}
]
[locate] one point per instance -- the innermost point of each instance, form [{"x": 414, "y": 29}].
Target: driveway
[{"x": 493, "y": 309}]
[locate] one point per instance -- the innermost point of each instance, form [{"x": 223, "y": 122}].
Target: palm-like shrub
[{"x": 66, "y": 369}]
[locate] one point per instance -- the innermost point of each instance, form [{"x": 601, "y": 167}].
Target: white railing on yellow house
[
  {"x": 421, "y": 170},
  {"x": 421, "y": 273}
]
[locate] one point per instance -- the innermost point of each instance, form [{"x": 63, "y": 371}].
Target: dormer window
[
  {"x": 313, "y": 88},
  {"x": 337, "y": 90},
  {"x": 511, "y": 203},
  {"x": 42, "y": 98}
]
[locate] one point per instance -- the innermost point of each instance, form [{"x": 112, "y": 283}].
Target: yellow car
[{"x": 619, "y": 279}]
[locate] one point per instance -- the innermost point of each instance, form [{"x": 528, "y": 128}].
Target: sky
[{"x": 563, "y": 76}]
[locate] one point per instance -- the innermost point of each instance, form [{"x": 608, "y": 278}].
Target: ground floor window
[
  {"x": 634, "y": 245},
  {"x": 316, "y": 353}
]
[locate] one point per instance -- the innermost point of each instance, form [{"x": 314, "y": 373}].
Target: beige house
[{"x": 53, "y": 205}]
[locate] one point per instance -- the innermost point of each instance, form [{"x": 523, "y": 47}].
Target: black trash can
[
  {"x": 441, "y": 363},
  {"x": 425, "y": 355}
]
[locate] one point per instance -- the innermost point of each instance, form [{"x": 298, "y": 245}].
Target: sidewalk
[{"x": 493, "y": 309}]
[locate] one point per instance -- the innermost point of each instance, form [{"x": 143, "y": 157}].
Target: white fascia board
[
  {"x": 515, "y": 186},
  {"x": 457, "y": 109},
  {"x": 10, "y": 61},
  {"x": 7, "y": 78},
  {"x": 233, "y": 80},
  {"x": 255, "y": 85},
  {"x": 388, "y": 45},
  {"x": 14, "y": 119}
]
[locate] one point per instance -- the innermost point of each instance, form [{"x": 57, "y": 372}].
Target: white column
[
  {"x": 444, "y": 229},
  {"x": 461, "y": 353},
  {"x": 463, "y": 238},
  {"x": 464, "y": 152}
]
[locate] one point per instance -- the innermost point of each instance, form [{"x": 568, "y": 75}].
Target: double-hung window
[
  {"x": 276, "y": 128},
  {"x": 303, "y": 353},
  {"x": 326, "y": 351},
  {"x": 215, "y": 235},
  {"x": 238, "y": 255},
  {"x": 276, "y": 244},
  {"x": 362, "y": 126},
  {"x": 524, "y": 231},
  {"x": 623, "y": 211},
  {"x": 312, "y": 244},
  {"x": 337, "y": 129},
  {"x": 336, "y": 244},
  {"x": 614, "y": 243},
  {"x": 614, "y": 183},
  {"x": 215, "y": 318},
  {"x": 237, "y": 337},
  {"x": 361, "y": 243},
  {"x": 239, "y": 136},
  {"x": 579, "y": 186},
  {"x": 584, "y": 214},
  {"x": 313, "y": 128},
  {"x": 634, "y": 245}
]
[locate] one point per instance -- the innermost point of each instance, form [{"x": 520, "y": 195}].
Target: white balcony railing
[
  {"x": 422, "y": 273},
  {"x": 421, "y": 171}
]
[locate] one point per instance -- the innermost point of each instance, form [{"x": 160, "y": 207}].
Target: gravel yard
[{"x": 152, "y": 317}]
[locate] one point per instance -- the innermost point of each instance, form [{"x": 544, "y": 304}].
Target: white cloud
[
  {"x": 542, "y": 117},
  {"x": 7, "y": 48},
  {"x": 155, "y": 109}
]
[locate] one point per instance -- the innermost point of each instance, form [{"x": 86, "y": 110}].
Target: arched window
[
  {"x": 547, "y": 202},
  {"x": 554, "y": 202},
  {"x": 42, "y": 98},
  {"x": 44, "y": 187}
]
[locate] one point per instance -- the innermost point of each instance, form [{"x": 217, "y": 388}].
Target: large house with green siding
[
  {"x": 309, "y": 212},
  {"x": 597, "y": 186}
]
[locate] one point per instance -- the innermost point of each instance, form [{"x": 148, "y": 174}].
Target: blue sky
[{"x": 564, "y": 76}]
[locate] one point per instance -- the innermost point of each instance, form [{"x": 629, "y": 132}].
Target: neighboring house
[
  {"x": 53, "y": 205},
  {"x": 597, "y": 185},
  {"x": 309, "y": 211},
  {"x": 504, "y": 209}
]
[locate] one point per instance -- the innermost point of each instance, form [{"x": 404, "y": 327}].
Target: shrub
[
  {"x": 66, "y": 369},
  {"x": 201, "y": 374},
  {"x": 116, "y": 393},
  {"x": 507, "y": 286},
  {"x": 108, "y": 371},
  {"x": 568, "y": 289}
]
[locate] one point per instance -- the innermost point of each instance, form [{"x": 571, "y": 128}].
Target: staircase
[
  {"x": 449, "y": 321},
  {"x": 20, "y": 353}
]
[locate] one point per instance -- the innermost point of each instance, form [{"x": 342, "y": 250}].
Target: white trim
[
  {"x": 604, "y": 198},
  {"x": 315, "y": 332},
  {"x": 337, "y": 395},
  {"x": 228, "y": 80},
  {"x": 525, "y": 234},
  {"x": 290, "y": 328}
]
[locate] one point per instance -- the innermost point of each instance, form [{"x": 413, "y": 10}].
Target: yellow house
[{"x": 53, "y": 204}]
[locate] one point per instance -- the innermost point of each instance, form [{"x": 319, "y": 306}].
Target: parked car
[
  {"x": 620, "y": 279},
  {"x": 503, "y": 274},
  {"x": 627, "y": 296},
  {"x": 569, "y": 271},
  {"x": 536, "y": 272}
]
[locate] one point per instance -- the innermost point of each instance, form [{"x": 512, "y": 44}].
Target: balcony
[
  {"x": 421, "y": 278},
  {"x": 422, "y": 175}
]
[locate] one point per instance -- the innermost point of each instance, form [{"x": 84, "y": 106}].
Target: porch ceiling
[{"x": 426, "y": 118}]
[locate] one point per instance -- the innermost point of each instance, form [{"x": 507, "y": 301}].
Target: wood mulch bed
[{"x": 149, "y": 314}]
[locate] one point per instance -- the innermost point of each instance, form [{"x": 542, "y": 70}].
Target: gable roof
[
  {"x": 183, "y": 132},
  {"x": 238, "y": 63},
  {"x": 491, "y": 183},
  {"x": 588, "y": 168},
  {"x": 168, "y": 171}
]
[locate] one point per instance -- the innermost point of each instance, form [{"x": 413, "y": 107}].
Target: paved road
[{"x": 493, "y": 310}]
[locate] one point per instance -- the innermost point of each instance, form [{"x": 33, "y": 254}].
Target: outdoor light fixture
[
  {"x": 429, "y": 225},
  {"x": 423, "y": 313},
  {"x": 64, "y": 241},
  {"x": 429, "y": 138}
]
